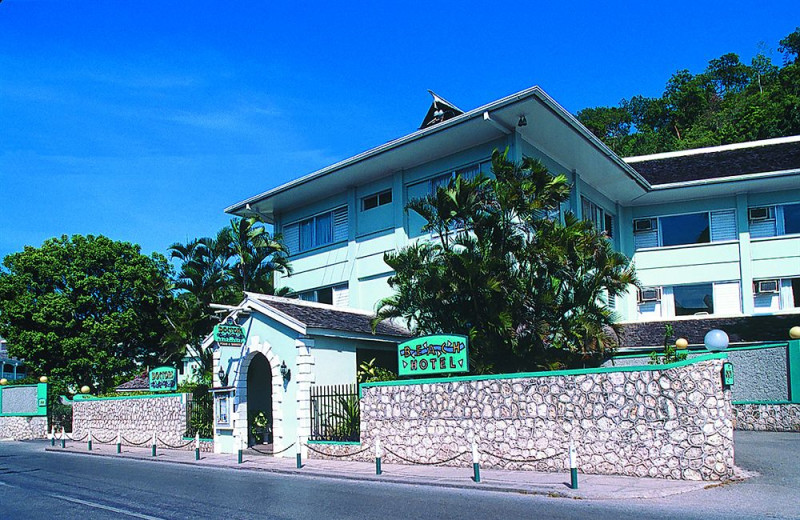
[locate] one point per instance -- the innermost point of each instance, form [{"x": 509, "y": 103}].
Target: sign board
[
  {"x": 727, "y": 374},
  {"x": 429, "y": 355},
  {"x": 163, "y": 378},
  {"x": 229, "y": 334}
]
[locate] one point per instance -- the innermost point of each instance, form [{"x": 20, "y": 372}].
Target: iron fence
[
  {"x": 199, "y": 415},
  {"x": 335, "y": 413}
]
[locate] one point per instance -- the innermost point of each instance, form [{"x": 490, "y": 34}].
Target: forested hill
[{"x": 729, "y": 102}]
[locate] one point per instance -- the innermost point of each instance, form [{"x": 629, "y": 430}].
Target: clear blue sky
[{"x": 143, "y": 120}]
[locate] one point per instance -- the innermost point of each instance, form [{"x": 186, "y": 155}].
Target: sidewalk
[{"x": 593, "y": 487}]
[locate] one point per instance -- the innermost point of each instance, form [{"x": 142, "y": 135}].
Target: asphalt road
[{"x": 35, "y": 484}]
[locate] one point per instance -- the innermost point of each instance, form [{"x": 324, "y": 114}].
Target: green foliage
[
  {"x": 241, "y": 257},
  {"x": 671, "y": 354},
  {"x": 344, "y": 423},
  {"x": 368, "y": 372},
  {"x": 85, "y": 309},
  {"x": 526, "y": 289},
  {"x": 259, "y": 426},
  {"x": 729, "y": 102}
]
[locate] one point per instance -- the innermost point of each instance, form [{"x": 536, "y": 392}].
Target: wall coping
[
  {"x": 763, "y": 402},
  {"x": 115, "y": 398},
  {"x": 551, "y": 373}
]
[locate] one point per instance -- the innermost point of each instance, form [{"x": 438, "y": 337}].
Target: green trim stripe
[
  {"x": 794, "y": 370},
  {"x": 115, "y": 398},
  {"x": 41, "y": 393},
  {"x": 336, "y": 443},
  {"x": 693, "y": 351},
  {"x": 762, "y": 402},
  {"x": 201, "y": 439},
  {"x": 552, "y": 373}
]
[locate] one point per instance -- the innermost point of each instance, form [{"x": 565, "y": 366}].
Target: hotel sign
[
  {"x": 163, "y": 378},
  {"x": 430, "y": 355},
  {"x": 229, "y": 334}
]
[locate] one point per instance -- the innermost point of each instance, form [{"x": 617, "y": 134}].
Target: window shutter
[
  {"x": 727, "y": 298},
  {"x": 341, "y": 296},
  {"x": 723, "y": 225},
  {"x": 291, "y": 238},
  {"x": 763, "y": 229},
  {"x": 340, "y": 224},
  {"x": 646, "y": 239}
]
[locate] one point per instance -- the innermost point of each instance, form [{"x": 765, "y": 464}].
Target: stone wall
[
  {"x": 761, "y": 374},
  {"x": 767, "y": 417},
  {"x": 136, "y": 418},
  {"x": 672, "y": 421},
  {"x": 23, "y": 428}
]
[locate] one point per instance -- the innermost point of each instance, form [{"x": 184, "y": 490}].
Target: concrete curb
[{"x": 616, "y": 491}]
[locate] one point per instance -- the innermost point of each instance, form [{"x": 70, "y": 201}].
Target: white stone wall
[
  {"x": 767, "y": 417},
  {"x": 23, "y": 428},
  {"x": 136, "y": 419},
  {"x": 675, "y": 423}
]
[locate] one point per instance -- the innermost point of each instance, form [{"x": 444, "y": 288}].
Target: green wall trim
[
  {"x": 693, "y": 351},
  {"x": 115, "y": 398},
  {"x": 41, "y": 396},
  {"x": 33, "y": 414},
  {"x": 337, "y": 443},
  {"x": 762, "y": 402},
  {"x": 794, "y": 370},
  {"x": 552, "y": 373},
  {"x": 201, "y": 439}
]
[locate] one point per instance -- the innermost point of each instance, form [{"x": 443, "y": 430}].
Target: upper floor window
[
  {"x": 688, "y": 228},
  {"x": 467, "y": 172},
  {"x": 378, "y": 199},
  {"x": 336, "y": 295},
  {"x": 770, "y": 221},
  {"x": 603, "y": 222},
  {"x": 319, "y": 230}
]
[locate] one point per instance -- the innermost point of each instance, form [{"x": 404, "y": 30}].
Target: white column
[{"x": 304, "y": 379}]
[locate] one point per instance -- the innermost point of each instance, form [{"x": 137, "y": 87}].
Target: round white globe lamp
[{"x": 716, "y": 340}]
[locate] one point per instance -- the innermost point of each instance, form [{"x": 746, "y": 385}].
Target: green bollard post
[
  {"x": 197, "y": 446},
  {"x": 89, "y": 442},
  {"x": 155, "y": 440},
  {"x": 378, "y": 456},
  {"x": 241, "y": 449},
  {"x": 476, "y": 462},
  {"x": 573, "y": 467},
  {"x": 299, "y": 454},
  {"x": 63, "y": 438},
  {"x": 119, "y": 441},
  {"x": 52, "y": 436}
]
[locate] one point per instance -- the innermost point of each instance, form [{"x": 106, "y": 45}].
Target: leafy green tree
[
  {"x": 728, "y": 102},
  {"x": 85, "y": 309},
  {"x": 525, "y": 287}
]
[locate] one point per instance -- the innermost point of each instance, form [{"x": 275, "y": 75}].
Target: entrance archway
[{"x": 259, "y": 401}]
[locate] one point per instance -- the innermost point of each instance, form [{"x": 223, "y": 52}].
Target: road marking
[
  {"x": 107, "y": 508},
  {"x": 7, "y": 485}
]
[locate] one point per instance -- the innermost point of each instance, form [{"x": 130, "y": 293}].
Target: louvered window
[
  {"x": 770, "y": 221},
  {"x": 319, "y": 230},
  {"x": 689, "y": 228}
]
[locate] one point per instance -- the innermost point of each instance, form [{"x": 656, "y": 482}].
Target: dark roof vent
[{"x": 440, "y": 110}]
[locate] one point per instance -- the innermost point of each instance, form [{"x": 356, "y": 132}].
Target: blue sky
[{"x": 143, "y": 120}]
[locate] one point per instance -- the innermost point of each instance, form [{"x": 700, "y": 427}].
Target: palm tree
[{"x": 254, "y": 255}]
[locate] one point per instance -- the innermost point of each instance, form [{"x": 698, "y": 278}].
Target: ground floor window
[
  {"x": 776, "y": 294},
  {"x": 700, "y": 299}
]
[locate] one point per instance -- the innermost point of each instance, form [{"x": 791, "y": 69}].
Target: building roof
[
  {"x": 140, "y": 382},
  {"x": 718, "y": 162},
  {"x": 314, "y": 315}
]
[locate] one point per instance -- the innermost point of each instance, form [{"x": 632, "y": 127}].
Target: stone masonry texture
[
  {"x": 23, "y": 428},
  {"x": 767, "y": 417},
  {"x": 675, "y": 423},
  {"x": 136, "y": 419}
]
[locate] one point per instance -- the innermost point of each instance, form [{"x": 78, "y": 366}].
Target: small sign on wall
[
  {"x": 727, "y": 374},
  {"x": 429, "y": 355},
  {"x": 163, "y": 379},
  {"x": 229, "y": 334}
]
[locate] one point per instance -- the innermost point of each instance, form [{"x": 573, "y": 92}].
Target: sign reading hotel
[
  {"x": 163, "y": 378},
  {"x": 429, "y": 355},
  {"x": 229, "y": 334}
]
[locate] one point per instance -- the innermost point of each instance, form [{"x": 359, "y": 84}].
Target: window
[
  {"x": 693, "y": 299},
  {"x": 319, "y": 230},
  {"x": 772, "y": 295},
  {"x": 686, "y": 229},
  {"x": 770, "y": 221},
  {"x": 467, "y": 173},
  {"x": 336, "y": 295},
  {"x": 603, "y": 222},
  {"x": 379, "y": 199}
]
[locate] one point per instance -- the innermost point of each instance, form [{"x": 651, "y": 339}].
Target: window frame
[
  {"x": 659, "y": 225},
  {"x": 380, "y": 199}
]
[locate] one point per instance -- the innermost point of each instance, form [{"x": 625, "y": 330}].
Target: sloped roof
[
  {"x": 322, "y": 316},
  {"x": 140, "y": 382},
  {"x": 772, "y": 155}
]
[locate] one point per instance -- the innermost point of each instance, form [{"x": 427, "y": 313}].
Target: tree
[
  {"x": 85, "y": 309},
  {"x": 525, "y": 287},
  {"x": 241, "y": 257}
]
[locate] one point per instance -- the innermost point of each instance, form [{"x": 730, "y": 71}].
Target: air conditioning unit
[
  {"x": 756, "y": 214},
  {"x": 644, "y": 224},
  {"x": 650, "y": 294},
  {"x": 767, "y": 287}
]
